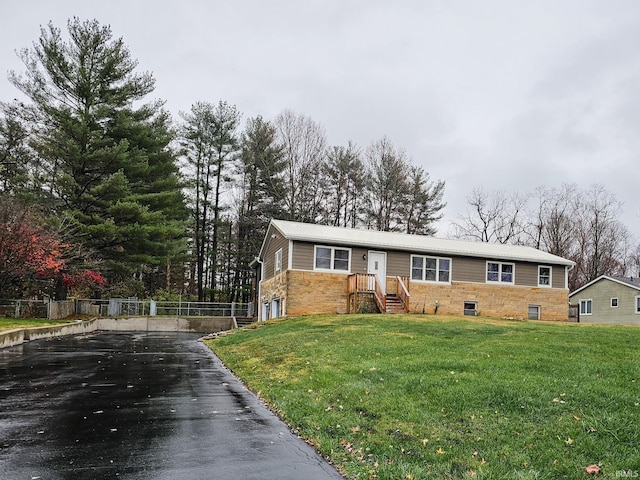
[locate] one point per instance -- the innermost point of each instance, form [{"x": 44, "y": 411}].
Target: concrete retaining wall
[{"x": 10, "y": 338}]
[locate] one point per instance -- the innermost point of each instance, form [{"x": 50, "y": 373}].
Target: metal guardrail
[
  {"x": 24, "y": 308},
  {"x": 128, "y": 307}
]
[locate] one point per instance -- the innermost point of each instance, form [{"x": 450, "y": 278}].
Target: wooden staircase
[
  {"x": 368, "y": 284},
  {"x": 394, "y": 304}
]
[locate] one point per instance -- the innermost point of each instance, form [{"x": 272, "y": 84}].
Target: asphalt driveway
[{"x": 138, "y": 406}]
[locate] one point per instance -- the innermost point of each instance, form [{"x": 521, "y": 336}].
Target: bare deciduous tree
[
  {"x": 601, "y": 238},
  {"x": 303, "y": 142},
  {"x": 552, "y": 224},
  {"x": 493, "y": 217}
]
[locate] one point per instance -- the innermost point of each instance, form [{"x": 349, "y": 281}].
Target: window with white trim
[
  {"x": 585, "y": 307},
  {"x": 500, "y": 272},
  {"x": 544, "y": 276},
  {"x": 637, "y": 304},
  {"x": 332, "y": 258},
  {"x": 614, "y": 302},
  {"x": 277, "y": 264},
  {"x": 430, "y": 269}
]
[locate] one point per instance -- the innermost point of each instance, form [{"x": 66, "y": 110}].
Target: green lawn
[
  {"x": 413, "y": 397},
  {"x": 11, "y": 323}
]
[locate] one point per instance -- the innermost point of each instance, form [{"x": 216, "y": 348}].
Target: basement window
[
  {"x": 471, "y": 308},
  {"x": 534, "y": 312}
]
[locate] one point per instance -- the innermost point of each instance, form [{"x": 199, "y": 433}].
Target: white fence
[{"x": 122, "y": 307}]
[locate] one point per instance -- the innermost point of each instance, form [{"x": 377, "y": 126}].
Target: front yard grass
[
  {"x": 11, "y": 323},
  {"x": 415, "y": 397}
]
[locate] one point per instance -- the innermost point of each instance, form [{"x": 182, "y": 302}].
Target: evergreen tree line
[
  {"x": 102, "y": 192},
  {"x": 237, "y": 180},
  {"x": 158, "y": 206}
]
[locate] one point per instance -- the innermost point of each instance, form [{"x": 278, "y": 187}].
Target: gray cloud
[{"x": 497, "y": 94}]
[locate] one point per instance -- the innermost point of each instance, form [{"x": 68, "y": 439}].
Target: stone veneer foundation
[{"x": 306, "y": 293}]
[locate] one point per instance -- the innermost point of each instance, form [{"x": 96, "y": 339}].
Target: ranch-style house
[
  {"x": 609, "y": 299},
  {"x": 311, "y": 269}
]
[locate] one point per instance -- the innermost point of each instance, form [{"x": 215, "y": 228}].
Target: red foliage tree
[
  {"x": 84, "y": 283},
  {"x": 30, "y": 253}
]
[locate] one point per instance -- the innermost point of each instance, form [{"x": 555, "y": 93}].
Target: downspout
[
  {"x": 566, "y": 282},
  {"x": 259, "y": 289}
]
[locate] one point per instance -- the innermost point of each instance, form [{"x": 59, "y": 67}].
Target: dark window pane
[
  {"x": 342, "y": 254},
  {"x": 323, "y": 257},
  {"x": 507, "y": 273},
  {"x": 444, "y": 270},
  {"x": 416, "y": 274},
  {"x": 493, "y": 272}
]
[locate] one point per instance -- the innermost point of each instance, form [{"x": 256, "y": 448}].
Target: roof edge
[{"x": 603, "y": 277}]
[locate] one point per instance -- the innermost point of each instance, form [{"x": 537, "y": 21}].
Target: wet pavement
[{"x": 138, "y": 406}]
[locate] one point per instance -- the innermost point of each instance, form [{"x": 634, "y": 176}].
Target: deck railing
[
  {"x": 402, "y": 291},
  {"x": 368, "y": 283}
]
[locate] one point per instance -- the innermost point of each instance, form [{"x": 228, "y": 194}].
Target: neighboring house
[
  {"x": 310, "y": 269},
  {"x": 608, "y": 299}
]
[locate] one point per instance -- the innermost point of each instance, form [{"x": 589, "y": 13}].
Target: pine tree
[
  {"x": 210, "y": 140},
  {"x": 262, "y": 192},
  {"x": 108, "y": 154}
]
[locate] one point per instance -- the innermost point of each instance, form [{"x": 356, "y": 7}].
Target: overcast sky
[{"x": 498, "y": 94}]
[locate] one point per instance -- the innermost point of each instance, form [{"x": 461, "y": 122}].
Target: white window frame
[
  {"x": 501, "y": 272},
  {"x": 540, "y": 267},
  {"x": 333, "y": 259},
  {"x": 637, "y": 305},
  {"x": 614, "y": 299},
  {"x": 585, "y": 302},
  {"x": 277, "y": 263},
  {"x": 424, "y": 269}
]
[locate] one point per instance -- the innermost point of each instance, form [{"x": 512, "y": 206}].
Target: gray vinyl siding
[
  {"x": 600, "y": 294},
  {"x": 558, "y": 276},
  {"x": 527, "y": 274},
  {"x": 463, "y": 269},
  {"x": 359, "y": 264},
  {"x": 272, "y": 246},
  {"x": 302, "y": 256},
  {"x": 466, "y": 269},
  {"x": 398, "y": 264}
]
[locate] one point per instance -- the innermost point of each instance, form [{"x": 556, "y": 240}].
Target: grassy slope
[{"x": 410, "y": 397}]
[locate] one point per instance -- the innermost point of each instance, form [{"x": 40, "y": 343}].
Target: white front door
[{"x": 378, "y": 266}]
